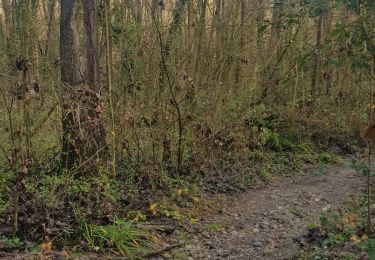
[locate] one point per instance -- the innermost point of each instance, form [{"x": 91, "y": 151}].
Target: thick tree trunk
[
  {"x": 82, "y": 115},
  {"x": 51, "y": 17},
  {"x": 89, "y": 22}
]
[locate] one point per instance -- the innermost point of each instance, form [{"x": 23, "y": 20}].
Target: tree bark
[
  {"x": 139, "y": 11},
  {"x": 315, "y": 73},
  {"x": 242, "y": 6},
  {"x": 82, "y": 107},
  {"x": 9, "y": 27},
  {"x": 51, "y": 15},
  {"x": 200, "y": 37}
]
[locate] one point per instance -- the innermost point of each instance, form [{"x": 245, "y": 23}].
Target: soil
[{"x": 266, "y": 223}]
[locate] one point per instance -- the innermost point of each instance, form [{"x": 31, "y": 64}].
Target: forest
[{"x": 187, "y": 129}]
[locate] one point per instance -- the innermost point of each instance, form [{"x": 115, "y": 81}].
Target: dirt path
[{"x": 263, "y": 224}]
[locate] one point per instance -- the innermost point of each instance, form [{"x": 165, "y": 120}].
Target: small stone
[
  {"x": 241, "y": 234},
  {"x": 240, "y": 226},
  {"x": 226, "y": 253},
  {"x": 195, "y": 240},
  {"x": 256, "y": 230},
  {"x": 267, "y": 251},
  {"x": 205, "y": 234},
  {"x": 230, "y": 229},
  {"x": 284, "y": 218},
  {"x": 166, "y": 255},
  {"x": 289, "y": 241},
  {"x": 209, "y": 245},
  {"x": 284, "y": 235},
  {"x": 265, "y": 225},
  {"x": 257, "y": 244}
]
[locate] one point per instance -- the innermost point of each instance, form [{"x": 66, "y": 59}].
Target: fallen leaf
[
  {"x": 355, "y": 239},
  {"x": 193, "y": 221},
  {"x": 158, "y": 240},
  {"x": 195, "y": 199},
  {"x": 153, "y": 208},
  {"x": 63, "y": 253},
  {"x": 46, "y": 247}
]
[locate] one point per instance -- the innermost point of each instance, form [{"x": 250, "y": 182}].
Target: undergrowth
[
  {"x": 112, "y": 207},
  {"x": 341, "y": 234}
]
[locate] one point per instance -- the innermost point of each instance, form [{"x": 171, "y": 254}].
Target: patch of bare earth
[{"x": 265, "y": 224}]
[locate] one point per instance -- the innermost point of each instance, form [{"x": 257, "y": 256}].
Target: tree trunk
[
  {"x": 176, "y": 21},
  {"x": 139, "y": 11},
  {"x": 82, "y": 115},
  {"x": 9, "y": 26},
  {"x": 237, "y": 73},
  {"x": 51, "y": 15},
  {"x": 200, "y": 36},
  {"x": 315, "y": 73},
  {"x": 275, "y": 29},
  {"x": 164, "y": 78}
]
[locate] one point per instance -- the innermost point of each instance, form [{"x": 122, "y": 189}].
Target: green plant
[
  {"x": 12, "y": 243},
  {"x": 315, "y": 253},
  {"x": 327, "y": 158},
  {"x": 213, "y": 227},
  {"x": 365, "y": 170},
  {"x": 270, "y": 138},
  {"x": 264, "y": 174},
  {"x": 6, "y": 178},
  {"x": 361, "y": 168},
  {"x": 312, "y": 226},
  {"x": 369, "y": 247},
  {"x": 122, "y": 237}
]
